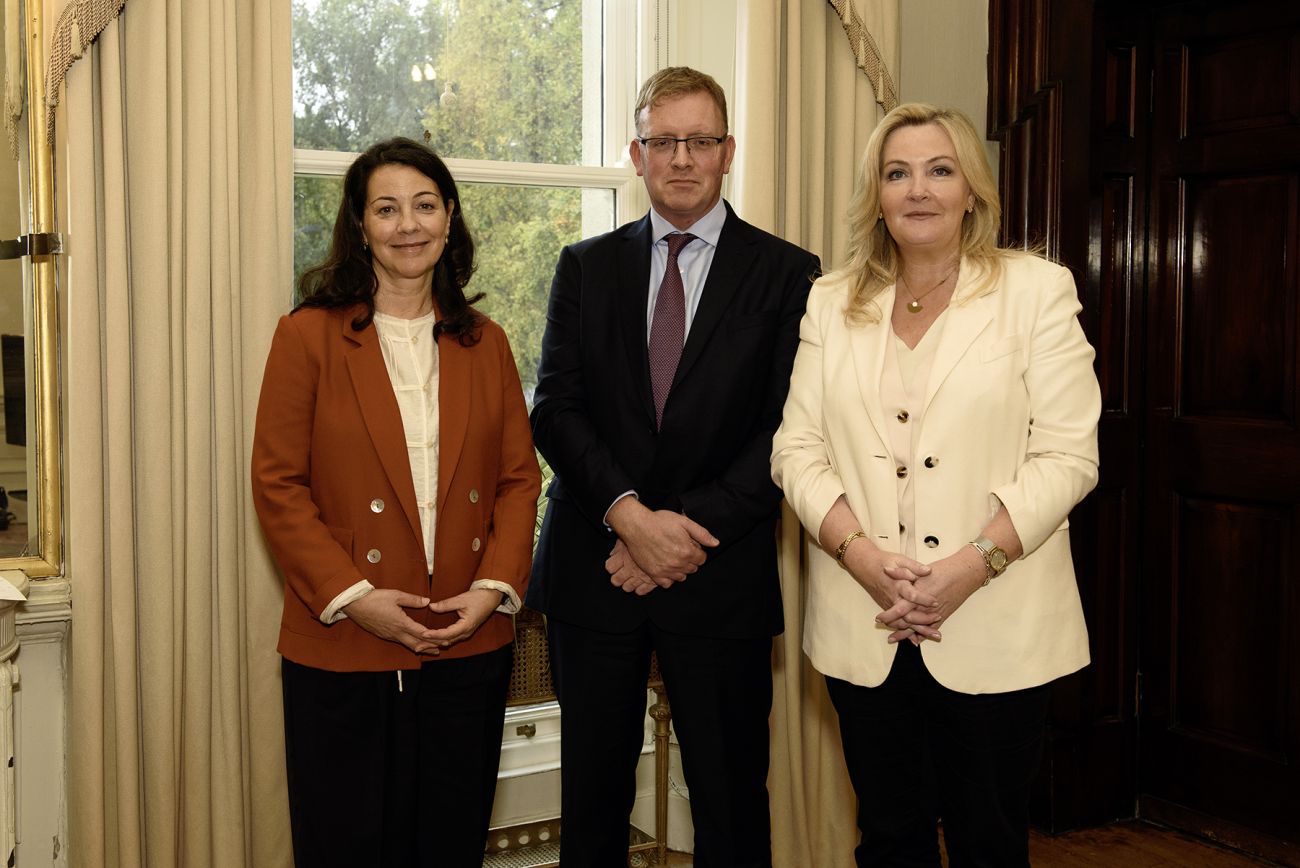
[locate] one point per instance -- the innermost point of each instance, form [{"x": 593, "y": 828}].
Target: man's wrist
[{"x": 623, "y": 513}]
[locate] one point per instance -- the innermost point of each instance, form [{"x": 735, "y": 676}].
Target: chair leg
[{"x": 662, "y": 715}]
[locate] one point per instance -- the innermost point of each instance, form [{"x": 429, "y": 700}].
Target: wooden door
[
  {"x": 1154, "y": 147},
  {"x": 1071, "y": 179},
  {"x": 1220, "y": 591}
]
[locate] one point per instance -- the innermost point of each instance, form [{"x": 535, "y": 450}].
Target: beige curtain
[
  {"x": 175, "y": 169},
  {"x": 804, "y": 112}
]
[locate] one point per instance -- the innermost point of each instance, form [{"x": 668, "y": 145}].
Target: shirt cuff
[
  {"x": 334, "y": 611},
  {"x": 605, "y": 519},
  {"x": 510, "y": 605}
]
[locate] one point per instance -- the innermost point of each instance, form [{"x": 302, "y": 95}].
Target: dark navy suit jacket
[{"x": 593, "y": 420}]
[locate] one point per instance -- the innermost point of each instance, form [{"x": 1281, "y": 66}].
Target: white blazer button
[
  {"x": 931, "y": 461},
  {"x": 901, "y": 472},
  {"x": 476, "y": 545},
  {"x": 473, "y": 495},
  {"x": 932, "y": 542},
  {"x": 373, "y": 556},
  {"x": 376, "y": 505}
]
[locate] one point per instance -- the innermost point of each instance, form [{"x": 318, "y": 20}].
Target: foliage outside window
[{"x": 500, "y": 87}]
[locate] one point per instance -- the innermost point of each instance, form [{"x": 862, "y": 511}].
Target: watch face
[{"x": 998, "y": 560}]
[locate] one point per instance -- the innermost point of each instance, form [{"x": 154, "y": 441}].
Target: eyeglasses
[{"x": 664, "y": 146}]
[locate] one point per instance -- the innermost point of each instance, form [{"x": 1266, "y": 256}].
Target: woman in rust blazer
[{"x": 395, "y": 479}]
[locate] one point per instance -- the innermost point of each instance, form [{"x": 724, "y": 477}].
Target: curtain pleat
[
  {"x": 178, "y": 169},
  {"x": 804, "y": 113}
]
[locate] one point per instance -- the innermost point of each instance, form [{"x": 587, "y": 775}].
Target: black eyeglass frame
[{"x": 716, "y": 140}]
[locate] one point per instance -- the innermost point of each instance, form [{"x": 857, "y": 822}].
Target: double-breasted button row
[{"x": 377, "y": 505}]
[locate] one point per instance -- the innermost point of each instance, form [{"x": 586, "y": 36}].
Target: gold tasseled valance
[{"x": 867, "y": 53}]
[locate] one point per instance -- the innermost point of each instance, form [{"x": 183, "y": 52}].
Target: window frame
[{"x": 620, "y": 179}]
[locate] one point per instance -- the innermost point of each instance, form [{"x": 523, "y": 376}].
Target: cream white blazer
[{"x": 1010, "y": 413}]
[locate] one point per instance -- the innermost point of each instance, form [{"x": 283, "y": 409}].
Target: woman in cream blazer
[{"x": 940, "y": 426}]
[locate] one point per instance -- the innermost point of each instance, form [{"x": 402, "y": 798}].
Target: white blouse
[
  {"x": 903, "y": 383},
  {"x": 411, "y": 357}
]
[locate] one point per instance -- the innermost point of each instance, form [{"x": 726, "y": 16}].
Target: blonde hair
[
  {"x": 873, "y": 257},
  {"x": 674, "y": 81}
]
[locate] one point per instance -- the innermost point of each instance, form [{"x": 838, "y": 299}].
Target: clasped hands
[
  {"x": 383, "y": 613},
  {"x": 916, "y": 598},
  {"x": 655, "y": 548}
]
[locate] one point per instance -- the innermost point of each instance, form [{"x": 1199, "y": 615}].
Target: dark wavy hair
[{"x": 347, "y": 276}]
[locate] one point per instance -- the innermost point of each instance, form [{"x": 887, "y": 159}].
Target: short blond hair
[
  {"x": 873, "y": 257},
  {"x": 675, "y": 81}
]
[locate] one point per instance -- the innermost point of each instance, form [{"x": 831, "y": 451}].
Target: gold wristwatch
[{"x": 995, "y": 559}]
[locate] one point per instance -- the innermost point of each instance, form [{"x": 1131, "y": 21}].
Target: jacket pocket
[
  {"x": 1001, "y": 347},
  {"x": 343, "y": 536}
]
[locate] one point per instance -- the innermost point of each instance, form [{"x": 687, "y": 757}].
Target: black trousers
[
  {"x": 387, "y": 777},
  {"x": 917, "y": 751},
  {"x": 721, "y": 695}
]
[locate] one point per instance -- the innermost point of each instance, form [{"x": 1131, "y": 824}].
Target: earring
[
  {"x": 365, "y": 245},
  {"x": 880, "y": 216},
  {"x": 970, "y": 209}
]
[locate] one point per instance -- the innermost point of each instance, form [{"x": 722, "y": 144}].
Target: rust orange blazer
[{"x": 332, "y": 484}]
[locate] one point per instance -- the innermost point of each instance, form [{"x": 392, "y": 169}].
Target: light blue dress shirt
[{"x": 694, "y": 260}]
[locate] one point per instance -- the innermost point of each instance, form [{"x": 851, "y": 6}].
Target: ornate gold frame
[{"x": 48, "y": 557}]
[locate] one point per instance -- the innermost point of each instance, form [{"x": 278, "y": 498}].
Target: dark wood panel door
[
  {"x": 1063, "y": 102},
  {"x": 1220, "y": 620}
]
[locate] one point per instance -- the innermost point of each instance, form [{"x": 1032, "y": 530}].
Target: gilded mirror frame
[{"x": 46, "y": 558}]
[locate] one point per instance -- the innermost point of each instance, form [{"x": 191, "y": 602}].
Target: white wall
[{"x": 944, "y": 57}]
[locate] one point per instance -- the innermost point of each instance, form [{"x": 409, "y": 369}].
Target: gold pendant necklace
[{"x": 914, "y": 306}]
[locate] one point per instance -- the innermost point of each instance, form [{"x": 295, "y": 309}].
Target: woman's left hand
[
  {"x": 950, "y": 582},
  {"x": 472, "y": 608}
]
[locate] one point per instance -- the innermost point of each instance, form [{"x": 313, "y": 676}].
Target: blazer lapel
[
  {"x": 869, "y": 344},
  {"x": 730, "y": 262},
  {"x": 965, "y": 322},
  {"x": 455, "y": 384},
  {"x": 633, "y": 295},
  {"x": 383, "y": 418}
]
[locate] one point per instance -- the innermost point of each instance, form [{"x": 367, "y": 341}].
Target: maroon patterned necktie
[{"x": 668, "y": 326}]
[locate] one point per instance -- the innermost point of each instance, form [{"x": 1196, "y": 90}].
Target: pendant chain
[{"x": 914, "y": 306}]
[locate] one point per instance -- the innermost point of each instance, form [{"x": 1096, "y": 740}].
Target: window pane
[
  {"x": 518, "y": 232},
  {"x": 488, "y": 79},
  {"x": 315, "y": 205}
]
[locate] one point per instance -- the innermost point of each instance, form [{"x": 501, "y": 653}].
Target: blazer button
[
  {"x": 931, "y": 461},
  {"x": 476, "y": 545},
  {"x": 373, "y": 556},
  {"x": 376, "y": 505},
  {"x": 473, "y": 495},
  {"x": 932, "y": 542},
  {"x": 903, "y": 416},
  {"x": 901, "y": 471},
  {"x": 901, "y": 528}
]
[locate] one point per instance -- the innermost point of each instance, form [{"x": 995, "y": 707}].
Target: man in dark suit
[{"x": 664, "y": 368}]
